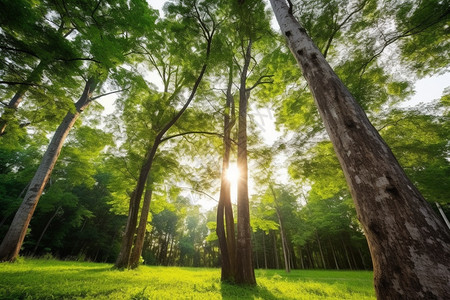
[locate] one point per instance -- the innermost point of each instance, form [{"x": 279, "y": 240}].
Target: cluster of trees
[{"x": 80, "y": 185}]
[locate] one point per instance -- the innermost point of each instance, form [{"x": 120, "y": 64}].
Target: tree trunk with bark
[
  {"x": 140, "y": 234},
  {"x": 275, "y": 250},
  {"x": 264, "y": 250},
  {"x": 12, "y": 242},
  {"x": 128, "y": 236},
  {"x": 245, "y": 273},
  {"x": 284, "y": 244},
  {"x": 409, "y": 244},
  {"x": 324, "y": 265},
  {"x": 225, "y": 220}
]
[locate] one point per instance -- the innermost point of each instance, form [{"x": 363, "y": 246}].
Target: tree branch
[
  {"x": 190, "y": 132},
  {"x": 260, "y": 81},
  {"x": 18, "y": 83},
  {"x": 19, "y": 50},
  {"x": 82, "y": 58},
  {"x": 106, "y": 94},
  {"x": 198, "y": 191}
]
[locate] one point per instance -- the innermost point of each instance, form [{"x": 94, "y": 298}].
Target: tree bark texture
[
  {"x": 409, "y": 244},
  {"x": 12, "y": 242},
  {"x": 245, "y": 273}
]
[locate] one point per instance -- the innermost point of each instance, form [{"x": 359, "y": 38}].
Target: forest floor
[{"x": 52, "y": 279}]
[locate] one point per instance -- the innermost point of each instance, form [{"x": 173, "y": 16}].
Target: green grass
[{"x": 51, "y": 279}]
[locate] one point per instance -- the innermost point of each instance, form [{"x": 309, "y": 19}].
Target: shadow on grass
[{"x": 233, "y": 291}]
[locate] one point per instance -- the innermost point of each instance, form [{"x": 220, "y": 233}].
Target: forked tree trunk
[
  {"x": 140, "y": 234},
  {"x": 409, "y": 244},
  {"x": 12, "y": 242},
  {"x": 245, "y": 273},
  {"x": 225, "y": 219}
]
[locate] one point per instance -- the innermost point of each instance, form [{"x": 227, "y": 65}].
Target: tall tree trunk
[
  {"x": 264, "y": 250},
  {"x": 140, "y": 234},
  {"x": 13, "y": 104},
  {"x": 362, "y": 258},
  {"x": 346, "y": 254},
  {"x": 275, "y": 250},
  {"x": 324, "y": 265},
  {"x": 245, "y": 273},
  {"x": 284, "y": 244},
  {"x": 130, "y": 230},
  {"x": 301, "y": 256},
  {"x": 334, "y": 255},
  {"x": 409, "y": 244},
  {"x": 12, "y": 242},
  {"x": 225, "y": 219},
  {"x": 45, "y": 230}
]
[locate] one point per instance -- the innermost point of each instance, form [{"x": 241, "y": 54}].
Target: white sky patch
[{"x": 428, "y": 89}]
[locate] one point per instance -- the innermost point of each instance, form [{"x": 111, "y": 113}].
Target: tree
[
  {"x": 394, "y": 215},
  {"x": 109, "y": 54},
  {"x": 206, "y": 27},
  {"x": 36, "y": 51}
]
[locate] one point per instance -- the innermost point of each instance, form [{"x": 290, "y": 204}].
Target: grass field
[{"x": 51, "y": 279}]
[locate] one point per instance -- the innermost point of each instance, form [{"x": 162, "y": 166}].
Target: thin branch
[
  {"x": 410, "y": 32},
  {"x": 339, "y": 26},
  {"x": 260, "y": 81},
  {"x": 198, "y": 191},
  {"x": 191, "y": 132},
  {"x": 18, "y": 83},
  {"x": 19, "y": 50},
  {"x": 69, "y": 32},
  {"x": 106, "y": 94},
  {"x": 82, "y": 58}
]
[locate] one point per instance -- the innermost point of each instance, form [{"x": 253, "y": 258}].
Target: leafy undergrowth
[{"x": 51, "y": 279}]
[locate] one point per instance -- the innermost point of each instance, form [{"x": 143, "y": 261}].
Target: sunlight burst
[{"x": 232, "y": 173}]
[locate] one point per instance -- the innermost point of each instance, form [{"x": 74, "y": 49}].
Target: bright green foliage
[
  {"x": 18, "y": 163},
  {"x": 426, "y": 25},
  {"x": 53, "y": 279},
  {"x": 419, "y": 139}
]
